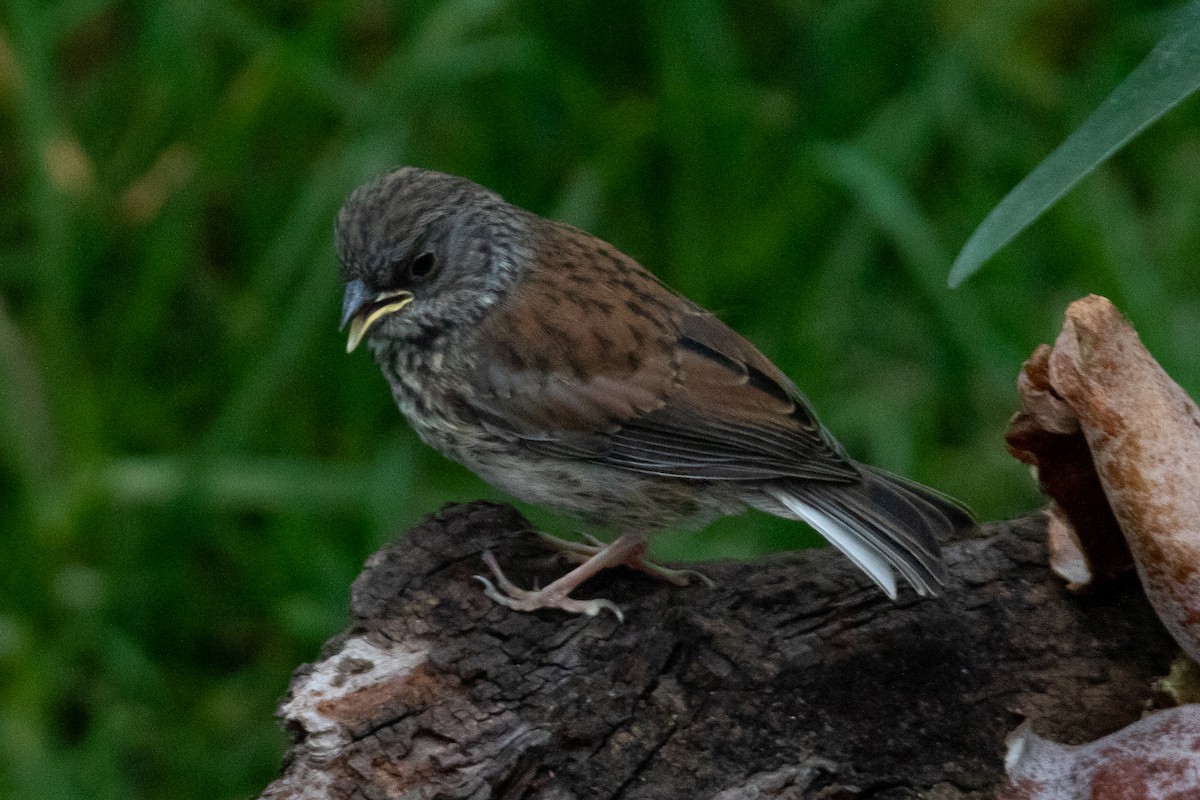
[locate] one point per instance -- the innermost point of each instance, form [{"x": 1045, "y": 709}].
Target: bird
[{"x": 560, "y": 370}]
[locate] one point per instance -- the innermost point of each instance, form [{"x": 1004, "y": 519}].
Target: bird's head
[{"x": 423, "y": 253}]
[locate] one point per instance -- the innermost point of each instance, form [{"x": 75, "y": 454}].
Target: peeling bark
[{"x": 795, "y": 678}]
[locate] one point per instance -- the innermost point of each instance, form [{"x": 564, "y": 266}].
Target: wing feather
[{"x": 591, "y": 357}]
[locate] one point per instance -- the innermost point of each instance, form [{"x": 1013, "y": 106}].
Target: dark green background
[{"x": 192, "y": 470}]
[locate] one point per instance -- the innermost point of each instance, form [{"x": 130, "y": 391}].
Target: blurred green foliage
[
  {"x": 1169, "y": 75},
  {"x": 192, "y": 471}
]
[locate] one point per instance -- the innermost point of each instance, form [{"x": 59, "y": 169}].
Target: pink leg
[
  {"x": 580, "y": 553},
  {"x": 556, "y": 594}
]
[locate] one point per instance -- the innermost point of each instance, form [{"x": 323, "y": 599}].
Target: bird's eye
[{"x": 423, "y": 265}]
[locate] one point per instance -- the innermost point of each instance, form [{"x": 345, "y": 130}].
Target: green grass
[{"x": 192, "y": 471}]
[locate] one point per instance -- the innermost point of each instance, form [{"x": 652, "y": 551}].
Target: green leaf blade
[{"x": 1169, "y": 75}]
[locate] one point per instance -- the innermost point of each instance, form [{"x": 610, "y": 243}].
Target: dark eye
[{"x": 423, "y": 265}]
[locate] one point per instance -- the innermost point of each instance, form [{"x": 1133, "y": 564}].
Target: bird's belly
[{"x": 600, "y": 494}]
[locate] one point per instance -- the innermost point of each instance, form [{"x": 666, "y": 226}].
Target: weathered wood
[{"x": 795, "y": 678}]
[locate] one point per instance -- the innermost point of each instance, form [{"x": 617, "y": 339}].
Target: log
[{"x": 794, "y": 678}]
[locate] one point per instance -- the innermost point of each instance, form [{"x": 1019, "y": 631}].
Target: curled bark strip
[{"x": 1142, "y": 435}]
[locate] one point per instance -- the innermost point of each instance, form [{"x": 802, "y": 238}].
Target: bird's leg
[
  {"x": 556, "y": 595},
  {"x": 580, "y": 553}
]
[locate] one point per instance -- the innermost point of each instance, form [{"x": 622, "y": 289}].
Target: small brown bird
[{"x": 558, "y": 369}]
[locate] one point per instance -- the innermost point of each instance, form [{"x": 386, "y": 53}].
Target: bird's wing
[{"x": 591, "y": 357}]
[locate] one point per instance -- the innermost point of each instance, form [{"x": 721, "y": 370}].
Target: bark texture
[{"x": 795, "y": 678}]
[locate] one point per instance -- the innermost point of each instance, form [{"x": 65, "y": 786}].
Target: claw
[
  {"x": 489, "y": 589},
  {"x": 556, "y": 595},
  {"x": 628, "y": 549},
  {"x": 684, "y": 575},
  {"x": 512, "y": 596}
]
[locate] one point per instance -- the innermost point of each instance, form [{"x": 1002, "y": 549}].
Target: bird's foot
[
  {"x": 581, "y": 553},
  {"x": 508, "y": 594}
]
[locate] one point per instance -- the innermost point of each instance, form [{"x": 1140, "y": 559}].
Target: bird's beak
[{"x": 361, "y": 309}]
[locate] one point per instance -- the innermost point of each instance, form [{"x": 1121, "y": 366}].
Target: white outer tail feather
[{"x": 853, "y": 544}]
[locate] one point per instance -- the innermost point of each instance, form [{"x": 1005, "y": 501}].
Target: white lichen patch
[{"x": 360, "y": 665}]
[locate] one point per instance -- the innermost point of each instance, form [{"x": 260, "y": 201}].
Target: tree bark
[{"x": 795, "y": 678}]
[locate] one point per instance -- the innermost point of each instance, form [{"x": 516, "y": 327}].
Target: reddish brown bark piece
[
  {"x": 1142, "y": 434},
  {"x": 794, "y": 678}
]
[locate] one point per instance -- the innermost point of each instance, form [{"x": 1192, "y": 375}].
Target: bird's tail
[{"x": 883, "y": 523}]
